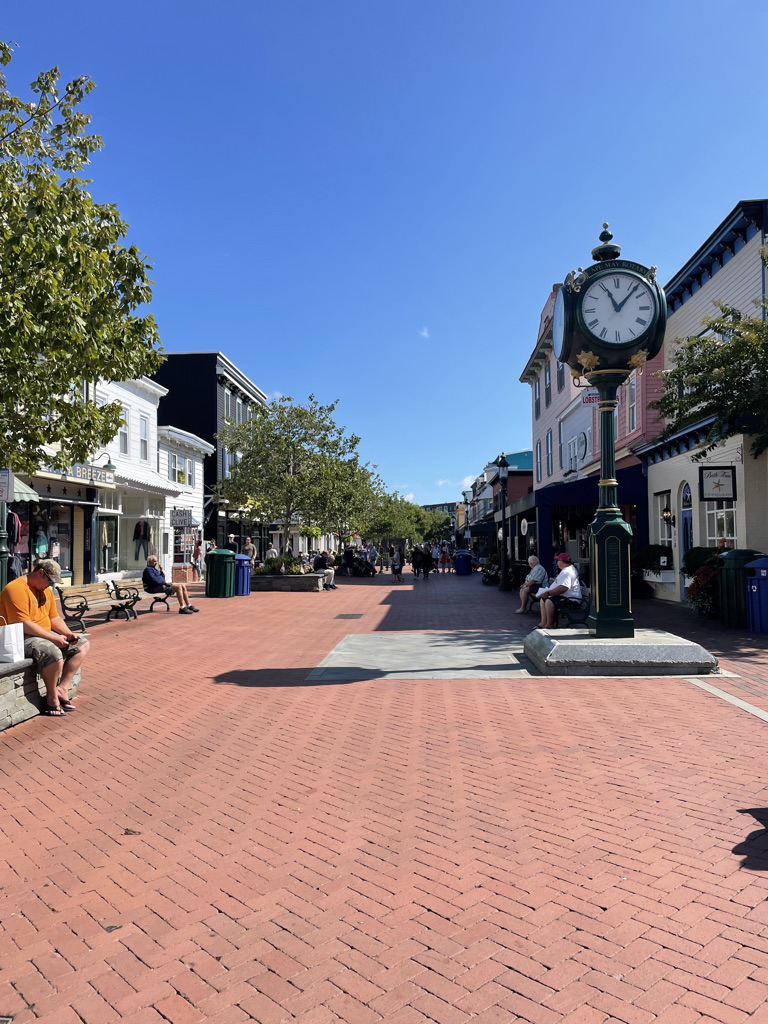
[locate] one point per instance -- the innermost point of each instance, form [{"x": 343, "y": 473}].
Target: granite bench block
[{"x": 22, "y": 692}]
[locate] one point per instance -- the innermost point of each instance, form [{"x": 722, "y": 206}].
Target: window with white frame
[
  {"x": 122, "y": 433},
  {"x": 549, "y": 453},
  {"x": 573, "y": 461},
  {"x": 547, "y": 383},
  {"x": 143, "y": 438},
  {"x": 227, "y": 404},
  {"x": 190, "y": 472},
  {"x": 560, "y": 376},
  {"x": 538, "y": 462},
  {"x": 560, "y": 443},
  {"x": 537, "y": 398},
  {"x": 176, "y": 468},
  {"x": 665, "y": 528},
  {"x": 721, "y": 524},
  {"x": 225, "y": 463},
  {"x": 631, "y": 404}
]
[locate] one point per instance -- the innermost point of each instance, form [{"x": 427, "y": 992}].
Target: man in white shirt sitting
[{"x": 565, "y": 590}]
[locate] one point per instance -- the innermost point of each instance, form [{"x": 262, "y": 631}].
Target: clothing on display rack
[{"x": 142, "y": 534}]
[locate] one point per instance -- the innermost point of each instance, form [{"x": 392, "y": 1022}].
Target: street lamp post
[{"x": 503, "y": 465}]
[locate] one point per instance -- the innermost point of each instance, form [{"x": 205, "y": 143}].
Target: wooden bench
[
  {"x": 76, "y": 601},
  {"x": 132, "y": 593}
]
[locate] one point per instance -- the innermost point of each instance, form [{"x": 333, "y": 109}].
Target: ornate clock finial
[{"x": 608, "y": 250}]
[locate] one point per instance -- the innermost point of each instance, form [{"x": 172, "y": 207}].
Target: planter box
[
  {"x": 309, "y": 581},
  {"x": 663, "y": 576},
  {"x": 22, "y": 692}
]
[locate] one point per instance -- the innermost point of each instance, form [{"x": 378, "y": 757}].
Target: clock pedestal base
[{"x": 610, "y": 610}]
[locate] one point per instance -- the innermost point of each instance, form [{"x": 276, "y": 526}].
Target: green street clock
[
  {"x": 611, "y": 316},
  {"x": 608, "y": 320}
]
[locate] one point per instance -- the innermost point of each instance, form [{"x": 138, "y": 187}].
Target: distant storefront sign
[
  {"x": 6, "y": 485},
  {"x": 180, "y": 518},
  {"x": 591, "y": 398}
]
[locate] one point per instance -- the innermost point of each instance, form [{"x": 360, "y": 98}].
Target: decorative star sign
[{"x": 717, "y": 485}]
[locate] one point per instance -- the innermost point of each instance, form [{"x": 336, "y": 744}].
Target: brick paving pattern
[{"x": 211, "y": 837}]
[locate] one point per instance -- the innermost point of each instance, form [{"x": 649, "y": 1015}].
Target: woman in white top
[{"x": 566, "y": 588}]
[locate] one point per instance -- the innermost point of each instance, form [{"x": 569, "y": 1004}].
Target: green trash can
[
  {"x": 220, "y": 573},
  {"x": 733, "y": 585}
]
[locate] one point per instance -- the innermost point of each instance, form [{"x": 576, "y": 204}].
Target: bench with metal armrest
[{"x": 76, "y": 601}]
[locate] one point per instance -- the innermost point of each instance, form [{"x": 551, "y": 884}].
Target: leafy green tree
[
  {"x": 722, "y": 374},
  {"x": 393, "y": 518},
  {"x": 282, "y": 459},
  {"x": 345, "y": 496},
  {"x": 438, "y": 527},
  {"x": 69, "y": 287}
]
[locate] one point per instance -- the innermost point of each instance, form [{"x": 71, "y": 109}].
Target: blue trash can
[
  {"x": 757, "y": 595},
  {"x": 242, "y": 575},
  {"x": 463, "y": 560}
]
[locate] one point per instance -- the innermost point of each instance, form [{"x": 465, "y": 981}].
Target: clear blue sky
[{"x": 371, "y": 199}]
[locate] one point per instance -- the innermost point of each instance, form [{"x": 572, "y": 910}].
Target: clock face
[
  {"x": 558, "y": 325},
  {"x": 618, "y": 308}
]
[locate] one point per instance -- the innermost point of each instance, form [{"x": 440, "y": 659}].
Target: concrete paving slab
[{"x": 461, "y": 654}]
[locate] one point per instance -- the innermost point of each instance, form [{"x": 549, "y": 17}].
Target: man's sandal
[
  {"x": 66, "y": 705},
  {"x": 54, "y": 712}
]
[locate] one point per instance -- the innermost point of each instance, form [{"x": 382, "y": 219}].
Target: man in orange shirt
[{"x": 57, "y": 652}]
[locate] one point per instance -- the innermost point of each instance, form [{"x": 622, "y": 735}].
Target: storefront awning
[{"x": 23, "y": 492}]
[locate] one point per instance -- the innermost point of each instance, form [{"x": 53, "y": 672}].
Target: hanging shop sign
[
  {"x": 717, "y": 483},
  {"x": 180, "y": 518}
]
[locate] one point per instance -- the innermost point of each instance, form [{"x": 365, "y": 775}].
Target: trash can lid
[
  {"x": 221, "y": 553},
  {"x": 739, "y": 556},
  {"x": 242, "y": 558},
  {"x": 759, "y": 563}
]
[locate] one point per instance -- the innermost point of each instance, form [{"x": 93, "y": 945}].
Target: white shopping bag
[{"x": 11, "y": 641}]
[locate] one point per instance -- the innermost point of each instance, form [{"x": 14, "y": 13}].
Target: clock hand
[
  {"x": 613, "y": 301},
  {"x": 621, "y": 304}
]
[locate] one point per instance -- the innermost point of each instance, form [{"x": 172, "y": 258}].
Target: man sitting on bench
[
  {"x": 153, "y": 581},
  {"x": 565, "y": 591}
]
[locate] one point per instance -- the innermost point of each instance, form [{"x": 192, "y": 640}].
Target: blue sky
[{"x": 371, "y": 199}]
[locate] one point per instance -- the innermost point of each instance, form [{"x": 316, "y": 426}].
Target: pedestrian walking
[
  {"x": 396, "y": 561},
  {"x": 444, "y": 559},
  {"x": 416, "y": 558},
  {"x": 426, "y": 561}
]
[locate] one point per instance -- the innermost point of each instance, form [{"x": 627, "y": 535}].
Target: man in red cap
[{"x": 565, "y": 590}]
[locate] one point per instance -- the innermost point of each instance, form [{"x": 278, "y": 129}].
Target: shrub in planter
[
  {"x": 704, "y": 591},
  {"x": 695, "y": 558},
  {"x": 649, "y": 558},
  {"x": 275, "y": 566}
]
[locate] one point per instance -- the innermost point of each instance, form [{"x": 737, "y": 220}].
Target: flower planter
[
  {"x": 662, "y": 576},
  {"x": 309, "y": 581}
]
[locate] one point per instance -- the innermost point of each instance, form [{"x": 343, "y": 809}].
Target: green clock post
[{"x": 608, "y": 320}]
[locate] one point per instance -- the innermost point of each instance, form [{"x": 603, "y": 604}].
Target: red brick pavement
[{"x": 212, "y": 838}]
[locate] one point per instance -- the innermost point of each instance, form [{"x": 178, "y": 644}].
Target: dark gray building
[{"x": 205, "y": 392}]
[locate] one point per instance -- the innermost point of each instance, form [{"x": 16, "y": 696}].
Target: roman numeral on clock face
[
  {"x": 593, "y": 323},
  {"x": 639, "y": 320},
  {"x": 604, "y": 332}
]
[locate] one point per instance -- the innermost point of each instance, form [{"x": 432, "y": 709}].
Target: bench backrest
[{"x": 90, "y": 591}]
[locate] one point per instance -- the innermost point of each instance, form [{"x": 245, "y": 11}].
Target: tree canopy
[
  {"x": 69, "y": 288},
  {"x": 282, "y": 458},
  {"x": 721, "y": 375}
]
